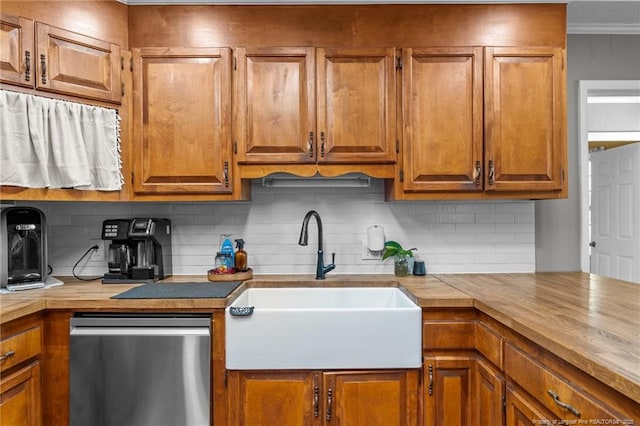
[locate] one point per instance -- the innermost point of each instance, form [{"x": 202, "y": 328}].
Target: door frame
[{"x": 585, "y": 89}]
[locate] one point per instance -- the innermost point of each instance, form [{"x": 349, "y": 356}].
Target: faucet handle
[{"x": 330, "y": 267}]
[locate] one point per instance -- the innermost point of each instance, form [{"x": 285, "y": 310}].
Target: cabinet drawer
[
  {"x": 457, "y": 335},
  {"x": 489, "y": 344},
  {"x": 20, "y": 347},
  {"x": 570, "y": 402}
]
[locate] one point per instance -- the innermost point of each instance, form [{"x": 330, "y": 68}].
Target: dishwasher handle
[{"x": 140, "y": 331}]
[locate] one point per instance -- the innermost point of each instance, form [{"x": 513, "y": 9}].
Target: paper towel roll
[{"x": 375, "y": 238}]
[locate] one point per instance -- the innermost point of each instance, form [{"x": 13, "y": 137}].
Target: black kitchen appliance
[
  {"x": 24, "y": 248},
  {"x": 140, "y": 249}
]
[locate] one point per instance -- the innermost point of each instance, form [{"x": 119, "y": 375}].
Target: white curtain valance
[{"x": 49, "y": 143}]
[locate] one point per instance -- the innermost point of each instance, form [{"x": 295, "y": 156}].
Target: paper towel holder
[{"x": 375, "y": 239}]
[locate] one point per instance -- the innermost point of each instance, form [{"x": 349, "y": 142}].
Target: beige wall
[{"x": 557, "y": 222}]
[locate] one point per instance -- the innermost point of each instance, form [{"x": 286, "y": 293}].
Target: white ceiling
[{"x": 583, "y": 16}]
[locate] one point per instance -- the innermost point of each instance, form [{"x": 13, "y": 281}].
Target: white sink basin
[{"x": 323, "y": 328}]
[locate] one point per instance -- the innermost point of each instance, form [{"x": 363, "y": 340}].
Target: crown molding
[{"x": 623, "y": 29}]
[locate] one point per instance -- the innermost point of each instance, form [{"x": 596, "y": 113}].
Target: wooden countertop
[
  {"x": 79, "y": 295},
  {"x": 590, "y": 321},
  {"x": 593, "y": 322}
]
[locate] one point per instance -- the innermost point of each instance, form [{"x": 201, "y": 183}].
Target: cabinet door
[
  {"x": 274, "y": 398},
  {"x": 356, "y": 105},
  {"x": 78, "y": 65},
  {"x": 16, "y": 50},
  {"x": 20, "y": 397},
  {"x": 521, "y": 411},
  {"x": 489, "y": 395},
  {"x": 182, "y": 119},
  {"x": 275, "y": 114},
  {"x": 374, "y": 398},
  {"x": 442, "y": 116},
  {"x": 525, "y": 119},
  {"x": 449, "y": 386}
]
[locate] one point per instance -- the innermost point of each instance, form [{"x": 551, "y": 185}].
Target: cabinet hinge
[
  {"x": 235, "y": 147},
  {"x": 131, "y": 178},
  {"x": 235, "y": 63},
  {"x": 562, "y": 175},
  {"x": 122, "y": 88},
  {"x": 226, "y": 378},
  {"x": 504, "y": 403},
  {"x": 131, "y": 64},
  {"x": 122, "y": 63},
  {"x": 401, "y": 175},
  {"x": 397, "y": 146},
  {"x": 399, "y": 63}
]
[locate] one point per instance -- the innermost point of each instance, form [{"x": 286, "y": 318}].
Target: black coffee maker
[
  {"x": 140, "y": 249},
  {"x": 24, "y": 248}
]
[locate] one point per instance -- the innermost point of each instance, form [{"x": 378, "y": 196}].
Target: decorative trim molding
[
  {"x": 572, "y": 28},
  {"x": 633, "y": 29}
]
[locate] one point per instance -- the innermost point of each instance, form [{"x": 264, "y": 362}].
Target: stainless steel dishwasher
[{"x": 140, "y": 370}]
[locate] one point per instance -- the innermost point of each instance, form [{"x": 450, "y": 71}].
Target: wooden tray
[{"x": 238, "y": 276}]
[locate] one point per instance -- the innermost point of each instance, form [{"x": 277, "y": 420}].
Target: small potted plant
[{"x": 400, "y": 257}]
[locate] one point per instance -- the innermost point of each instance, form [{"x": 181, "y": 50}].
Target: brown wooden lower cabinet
[
  {"x": 449, "y": 385},
  {"x": 489, "y": 395},
  {"x": 477, "y": 372},
  {"x": 20, "y": 397},
  {"x": 295, "y": 398},
  {"x": 272, "y": 398},
  {"x": 562, "y": 394},
  {"x": 20, "y": 378},
  {"x": 521, "y": 410}
]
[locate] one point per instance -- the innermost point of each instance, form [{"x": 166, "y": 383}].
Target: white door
[{"x": 615, "y": 212}]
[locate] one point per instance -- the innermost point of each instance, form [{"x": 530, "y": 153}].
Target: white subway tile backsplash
[
  {"x": 509, "y": 228},
  {"x": 192, "y": 209},
  {"x": 480, "y": 207},
  {"x": 495, "y": 218},
  {"x": 451, "y": 236},
  {"x": 526, "y": 239},
  {"x": 525, "y": 217},
  {"x": 498, "y": 239},
  {"x": 478, "y": 228}
]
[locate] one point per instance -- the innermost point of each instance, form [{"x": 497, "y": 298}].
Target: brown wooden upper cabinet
[
  {"x": 182, "y": 121},
  {"x": 315, "y": 105},
  {"x": 44, "y": 57},
  {"x": 16, "y": 51},
  {"x": 487, "y": 119},
  {"x": 525, "y": 139},
  {"x": 442, "y": 121}
]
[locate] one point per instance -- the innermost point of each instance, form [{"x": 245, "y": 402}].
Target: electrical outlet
[
  {"x": 368, "y": 254},
  {"x": 97, "y": 255}
]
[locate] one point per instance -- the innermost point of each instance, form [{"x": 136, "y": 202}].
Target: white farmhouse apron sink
[{"x": 323, "y": 328}]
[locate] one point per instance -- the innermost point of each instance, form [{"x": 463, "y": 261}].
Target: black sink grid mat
[{"x": 190, "y": 290}]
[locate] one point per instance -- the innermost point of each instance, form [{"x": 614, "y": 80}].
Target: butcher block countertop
[
  {"x": 590, "y": 321},
  {"x": 593, "y": 322}
]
